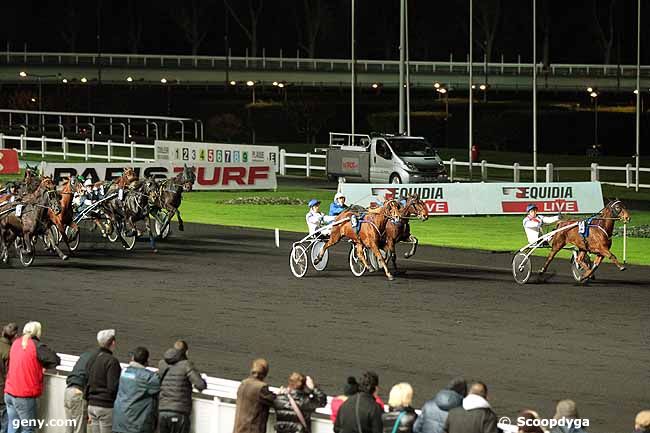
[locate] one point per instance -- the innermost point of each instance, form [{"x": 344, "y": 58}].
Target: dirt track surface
[{"x": 230, "y": 293}]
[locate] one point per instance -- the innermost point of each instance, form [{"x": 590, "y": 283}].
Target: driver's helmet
[
  {"x": 313, "y": 202},
  {"x": 338, "y": 196},
  {"x": 88, "y": 182},
  {"x": 530, "y": 207}
]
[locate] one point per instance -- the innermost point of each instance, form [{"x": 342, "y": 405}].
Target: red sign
[
  {"x": 9, "y": 161},
  {"x": 552, "y": 206},
  {"x": 231, "y": 175},
  {"x": 437, "y": 206}
]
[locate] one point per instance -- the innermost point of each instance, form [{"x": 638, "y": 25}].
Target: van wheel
[{"x": 395, "y": 178}]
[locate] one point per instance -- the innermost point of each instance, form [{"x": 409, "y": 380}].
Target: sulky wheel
[
  {"x": 356, "y": 265},
  {"x": 315, "y": 249},
  {"x": 521, "y": 268},
  {"x": 298, "y": 261}
]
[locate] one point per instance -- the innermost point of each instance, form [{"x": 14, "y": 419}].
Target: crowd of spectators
[{"x": 101, "y": 397}]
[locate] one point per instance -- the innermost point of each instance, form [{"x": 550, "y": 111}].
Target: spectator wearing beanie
[
  {"x": 435, "y": 411},
  {"x": 566, "y": 409},
  {"x": 401, "y": 416},
  {"x": 295, "y": 404},
  {"x": 475, "y": 415},
  {"x": 253, "y": 400},
  {"x": 350, "y": 388},
  {"x": 135, "y": 405},
  {"x": 28, "y": 358},
  {"x": 361, "y": 413},
  {"x": 103, "y": 372},
  {"x": 9, "y": 333},
  {"x": 642, "y": 422},
  {"x": 177, "y": 376}
]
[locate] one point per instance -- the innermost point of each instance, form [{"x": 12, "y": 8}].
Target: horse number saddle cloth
[
  {"x": 355, "y": 221},
  {"x": 19, "y": 210},
  {"x": 583, "y": 227}
]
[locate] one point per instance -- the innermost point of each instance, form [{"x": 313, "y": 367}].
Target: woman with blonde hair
[
  {"x": 28, "y": 358},
  {"x": 401, "y": 416}
]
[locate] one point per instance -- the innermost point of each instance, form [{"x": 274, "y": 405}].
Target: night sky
[{"x": 437, "y": 28}]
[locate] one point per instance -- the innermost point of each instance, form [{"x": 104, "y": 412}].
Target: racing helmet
[
  {"x": 313, "y": 202},
  {"x": 88, "y": 182},
  {"x": 339, "y": 195},
  {"x": 531, "y": 207}
]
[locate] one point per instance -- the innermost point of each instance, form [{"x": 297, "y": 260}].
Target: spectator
[
  {"x": 103, "y": 372},
  {"x": 28, "y": 358},
  {"x": 435, "y": 411},
  {"x": 9, "y": 333},
  {"x": 135, "y": 405},
  {"x": 351, "y": 387},
  {"x": 177, "y": 375},
  {"x": 361, "y": 413},
  {"x": 528, "y": 415},
  {"x": 475, "y": 415},
  {"x": 401, "y": 416},
  {"x": 642, "y": 422},
  {"x": 253, "y": 400},
  {"x": 74, "y": 404},
  {"x": 567, "y": 409},
  {"x": 295, "y": 404}
]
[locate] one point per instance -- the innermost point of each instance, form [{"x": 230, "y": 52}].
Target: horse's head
[
  {"x": 150, "y": 188},
  {"x": 187, "y": 178},
  {"x": 129, "y": 175},
  {"x": 47, "y": 184},
  {"x": 415, "y": 206},
  {"x": 618, "y": 210},
  {"x": 49, "y": 196},
  {"x": 392, "y": 210}
]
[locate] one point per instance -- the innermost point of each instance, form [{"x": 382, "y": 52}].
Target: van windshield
[{"x": 411, "y": 147}]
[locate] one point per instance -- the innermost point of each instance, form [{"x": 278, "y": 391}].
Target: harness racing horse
[
  {"x": 370, "y": 234},
  {"x": 64, "y": 218},
  {"x": 169, "y": 197},
  {"x": 33, "y": 220},
  {"x": 400, "y": 231},
  {"x": 598, "y": 241},
  {"x": 136, "y": 207}
]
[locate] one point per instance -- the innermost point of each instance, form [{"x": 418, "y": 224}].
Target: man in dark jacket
[
  {"x": 435, "y": 411},
  {"x": 74, "y": 404},
  {"x": 135, "y": 406},
  {"x": 177, "y": 375},
  {"x": 253, "y": 400},
  {"x": 294, "y": 406},
  {"x": 103, "y": 372},
  {"x": 475, "y": 415},
  {"x": 9, "y": 333},
  {"x": 361, "y": 413}
]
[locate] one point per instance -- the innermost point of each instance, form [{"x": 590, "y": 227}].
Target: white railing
[
  {"x": 90, "y": 149},
  {"x": 298, "y": 63},
  {"x": 549, "y": 173}
]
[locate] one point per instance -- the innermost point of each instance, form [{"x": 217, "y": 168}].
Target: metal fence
[{"x": 282, "y": 62}]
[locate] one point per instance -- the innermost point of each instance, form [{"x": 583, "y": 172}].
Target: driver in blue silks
[{"x": 338, "y": 205}]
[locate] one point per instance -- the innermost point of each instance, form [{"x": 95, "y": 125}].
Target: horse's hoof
[
  {"x": 181, "y": 228},
  {"x": 622, "y": 268},
  {"x": 407, "y": 255},
  {"x": 371, "y": 269},
  {"x": 154, "y": 251},
  {"x": 317, "y": 260},
  {"x": 64, "y": 257},
  {"x": 390, "y": 277}
]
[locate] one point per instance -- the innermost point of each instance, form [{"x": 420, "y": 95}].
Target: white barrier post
[
  {"x": 624, "y": 242},
  {"x": 22, "y": 145},
  {"x": 43, "y": 146},
  {"x": 484, "y": 170},
  {"x": 283, "y": 170},
  {"x": 308, "y": 163},
  {"x": 132, "y": 152},
  {"x": 628, "y": 175},
  {"x": 64, "y": 145},
  {"x": 277, "y": 238},
  {"x": 516, "y": 174},
  {"x": 110, "y": 149},
  {"x": 86, "y": 149},
  {"x": 2, "y": 140},
  {"x": 549, "y": 172},
  {"x": 452, "y": 169},
  {"x": 594, "y": 172}
]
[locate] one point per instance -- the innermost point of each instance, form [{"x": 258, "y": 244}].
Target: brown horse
[
  {"x": 370, "y": 234},
  {"x": 401, "y": 231},
  {"x": 599, "y": 240},
  {"x": 64, "y": 219}
]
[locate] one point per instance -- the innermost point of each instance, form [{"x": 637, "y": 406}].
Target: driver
[
  {"x": 315, "y": 218},
  {"x": 87, "y": 197},
  {"x": 533, "y": 223},
  {"x": 338, "y": 205}
]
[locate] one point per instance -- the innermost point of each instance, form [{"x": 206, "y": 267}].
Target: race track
[{"x": 230, "y": 293}]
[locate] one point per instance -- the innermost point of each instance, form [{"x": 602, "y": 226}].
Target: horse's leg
[
  {"x": 361, "y": 255},
  {"x": 414, "y": 246},
  {"x": 590, "y": 272},
  {"x": 555, "y": 249},
  {"x": 335, "y": 237},
  {"x": 375, "y": 249},
  {"x": 605, "y": 252},
  {"x": 180, "y": 221},
  {"x": 391, "y": 256},
  {"x": 152, "y": 235}
]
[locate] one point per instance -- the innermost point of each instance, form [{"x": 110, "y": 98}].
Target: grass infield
[{"x": 493, "y": 233}]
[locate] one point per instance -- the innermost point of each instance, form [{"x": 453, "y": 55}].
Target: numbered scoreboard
[{"x": 217, "y": 153}]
